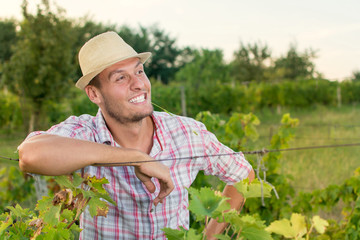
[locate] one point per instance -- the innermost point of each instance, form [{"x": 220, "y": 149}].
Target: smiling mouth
[{"x": 138, "y": 99}]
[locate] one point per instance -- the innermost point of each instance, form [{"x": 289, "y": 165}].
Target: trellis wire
[
  {"x": 263, "y": 151},
  {"x": 260, "y": 162}
]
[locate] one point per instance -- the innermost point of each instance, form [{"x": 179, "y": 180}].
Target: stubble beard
[{"x": 114, "y": 111}]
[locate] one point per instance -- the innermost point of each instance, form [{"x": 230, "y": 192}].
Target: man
[{"x": 149, "y": 195}]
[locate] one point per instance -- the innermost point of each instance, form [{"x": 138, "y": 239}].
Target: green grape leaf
[
  {"x": 282, "y": 227},
  {"x": 77, "y": 179},
  {"x": 253, "y": 190},
  {"x": 254, "y": 233},
  {"x": 67, "y": 214},
  {"x": 295, "y": 228},
  {"x": 44, "y": 203},
  {"x": 65, "y": 181},
  {"x": 319, "y": 224},
  {"x": 174, "y": 234},
  {"x": 221, "y": 209},
  {"x": 192, "y": 235},
  {"x": 56, "y": 233},
  {"x": 98, "y": 207},
  {"x": 222, "y": 237},
  {"x": 52, "y": 215},
  {"x": 75, "y": 228},
  {"x": 298, "y": 224},
  {"x": 238, "y": 221},
  {"x": 18, "y": 211},
  {"x": 106, "y": 197},
  {"x": 3, "y": 216},
  {"x": 204, "y": 202},
  {"x": 97, "y": 184},
  {"x": 62, "y": 231},
  {"x": 5, "y": 224},
  {"x": 233, "y": 217}
]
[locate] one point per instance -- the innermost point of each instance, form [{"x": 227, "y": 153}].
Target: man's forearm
[{"x": 55, "y": 155}]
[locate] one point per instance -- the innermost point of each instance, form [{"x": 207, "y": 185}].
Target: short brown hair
[{"x": 95, "y": 82}]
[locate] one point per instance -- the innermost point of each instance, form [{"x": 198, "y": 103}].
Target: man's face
[{"x": 125, "y": 91}]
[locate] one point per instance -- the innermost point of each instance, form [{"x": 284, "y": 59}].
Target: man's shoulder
[
  {"x": 81, "y": 123},
  {"x": 80, "y": 118}
]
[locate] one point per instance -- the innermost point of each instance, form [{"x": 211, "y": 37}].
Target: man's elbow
[{"x": 26, "y": 157}]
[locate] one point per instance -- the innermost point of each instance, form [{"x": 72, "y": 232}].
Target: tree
[
  {"x": 296, "y": 64},
  {"x": 7, "y": 39},
  {"x": 166, "y": 58},
  {"x": 40, "y": 69},
  {"x": 206, "y": 68},
  {"x": 356, "y": 76},
  {"x": 250, "y": 62},
  {"x": 163, "y": 63}
]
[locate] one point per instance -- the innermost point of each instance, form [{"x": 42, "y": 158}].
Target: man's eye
[
  {"x": 121, "y": 77},
  {"x": 140, "y": 71}
]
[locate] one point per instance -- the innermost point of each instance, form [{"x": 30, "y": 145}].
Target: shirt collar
[
  {"x": 159, "y": 133},
  {"x": 106, "y": 137}
]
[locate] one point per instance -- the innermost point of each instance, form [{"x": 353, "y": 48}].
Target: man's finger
[
  {"x": 165, "y": 189},
  {"x": 150, "y": 186}
]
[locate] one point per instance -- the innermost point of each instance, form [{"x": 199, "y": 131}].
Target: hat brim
[{"x": 84, "y": 80}]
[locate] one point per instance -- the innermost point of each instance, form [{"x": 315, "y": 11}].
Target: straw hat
[{"x": 101, "y": 52}]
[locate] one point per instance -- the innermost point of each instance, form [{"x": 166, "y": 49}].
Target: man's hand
[{"x": 146, "y": 171}]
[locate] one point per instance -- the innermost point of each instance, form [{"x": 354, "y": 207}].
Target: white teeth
[{"x": 138, "y": 99}]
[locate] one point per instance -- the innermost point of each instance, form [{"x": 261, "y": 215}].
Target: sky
[{"x": 330, "y": 27}]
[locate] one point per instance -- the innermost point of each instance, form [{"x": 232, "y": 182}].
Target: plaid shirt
[{"x": 135, "y": 216}]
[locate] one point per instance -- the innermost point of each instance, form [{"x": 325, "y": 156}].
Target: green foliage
[
  {"x": 296, "y": 228},
  {"x": 254, "y": 190},
  {"x": 207, "y": 68},
  {"x": 7, "y": 39},
  {"x": 40, "y": 68},
  {"x": 223, "y": 98},
  {"x": 166, "y": 58},
  {"x": 15, "y": 187},
  {"x": 55, "y": 217},
  {"x": 206, "y": 203},
  {"x": 163, "y": 64},
  {"x": 10, "y": 112},
  {"x": 268, "y": 169},
  {"x": 166, "y": 95},
  {"x": 234, "y": 132},
  {"x": 249, "y": 63},
  {"x": 348, "y": 193},
  {"x": 296, "y": 65},
  {"x": 356, "y": 76}
]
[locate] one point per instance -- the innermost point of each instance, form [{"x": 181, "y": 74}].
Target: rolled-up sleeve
[
  {"x": 229, "y": 166},
  {"x": 73, "y": 127}
]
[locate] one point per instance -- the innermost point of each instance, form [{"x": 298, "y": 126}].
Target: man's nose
[{"x": 137, "y": 83}]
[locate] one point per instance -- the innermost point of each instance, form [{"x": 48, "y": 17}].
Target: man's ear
[{"x": 93, "y": 94}]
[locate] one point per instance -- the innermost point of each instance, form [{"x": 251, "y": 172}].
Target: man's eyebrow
[
  {"x": 120, "y": 70},
  {"x": 113, "y": 72}
]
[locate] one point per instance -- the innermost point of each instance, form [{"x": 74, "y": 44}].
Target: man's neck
[{"x": 137, "y": 135}]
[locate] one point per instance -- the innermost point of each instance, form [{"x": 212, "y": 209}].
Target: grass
[{"x": 318, "y": 168}]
